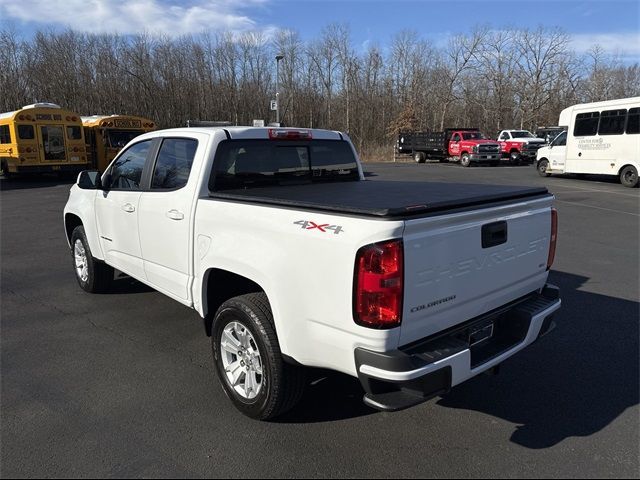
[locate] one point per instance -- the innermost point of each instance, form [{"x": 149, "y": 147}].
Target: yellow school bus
[
  {"x": 41, "y": 137},
  {"x": 106, "y": 135}
]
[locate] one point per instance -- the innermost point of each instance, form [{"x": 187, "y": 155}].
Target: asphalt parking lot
[{"x": 122, "y": 384}]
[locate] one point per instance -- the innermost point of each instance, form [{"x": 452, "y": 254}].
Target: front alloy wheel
[
  {"x": 80, "y": 257},
  {"x": 93, "y": 276}
]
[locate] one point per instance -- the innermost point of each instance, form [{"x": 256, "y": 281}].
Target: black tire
[
  {"x": 5, "y": 172},
  {"x": 542, "y": 167},
  {"x": 514, "y": 158},
  {"x": 282, "y": 383},
  {"x": 465, "y": 160},
  {"x": 99, "y": 275},
  {"x": 629, "y": 176},
  {"x": 419, "y": 157}
]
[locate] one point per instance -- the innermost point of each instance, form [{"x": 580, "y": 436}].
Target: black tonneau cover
[{"x": 382, "y": 199}]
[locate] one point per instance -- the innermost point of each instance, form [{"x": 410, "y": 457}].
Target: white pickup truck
[
  {"x": 294, "y": 260},
  {"x": 519, "y": 145}
]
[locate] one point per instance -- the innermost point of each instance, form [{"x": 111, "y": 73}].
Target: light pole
[{"x": 278, "y": 58}]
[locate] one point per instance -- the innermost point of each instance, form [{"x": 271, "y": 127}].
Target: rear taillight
[
  {"x": 554, "y": 237},
  {"x": 378, "y": 285}
]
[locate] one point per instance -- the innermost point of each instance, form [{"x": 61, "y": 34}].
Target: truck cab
[
  {"x": 519, "y": 145},
  {"x": 472, "y": 146},
  {"x": 552, "y": 157}
]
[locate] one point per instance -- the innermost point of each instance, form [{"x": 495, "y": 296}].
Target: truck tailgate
[{"x": 461, "y": 265}]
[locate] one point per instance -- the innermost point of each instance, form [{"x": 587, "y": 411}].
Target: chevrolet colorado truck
[
  {"x": 519, "y": 145},
  {"x": 294, "y": 260},
  {"x": 466, "y": 145}
]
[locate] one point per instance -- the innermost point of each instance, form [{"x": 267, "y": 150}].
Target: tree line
[{"x": 492, "y": 79}]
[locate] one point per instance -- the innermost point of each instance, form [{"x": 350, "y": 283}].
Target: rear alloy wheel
[
  {"x": 419, "y": 157},
  {"x": 248, "y": 360},
  {"x": 465, "y": 160},
  {"x": 629, "y": 176},
  {"x": 543, "y": 166}
]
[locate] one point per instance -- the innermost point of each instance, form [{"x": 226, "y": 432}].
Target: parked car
[{"x": 293, "y": 259}]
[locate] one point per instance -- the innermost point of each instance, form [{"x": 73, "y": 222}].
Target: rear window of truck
[{"x": 242, "y": 164}]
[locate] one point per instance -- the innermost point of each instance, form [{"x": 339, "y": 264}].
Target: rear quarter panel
[{"x": 307, "y": 274}]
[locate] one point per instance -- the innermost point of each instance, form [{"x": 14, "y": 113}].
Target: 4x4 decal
[{"x": 324, "y": 227}]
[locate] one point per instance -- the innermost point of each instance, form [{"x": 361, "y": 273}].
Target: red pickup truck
[
  {"x": 465, "y": 145},
  {"x": 519, "y": 145}
]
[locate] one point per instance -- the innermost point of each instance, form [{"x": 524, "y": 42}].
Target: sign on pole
[{"x": 274, "y": 105}]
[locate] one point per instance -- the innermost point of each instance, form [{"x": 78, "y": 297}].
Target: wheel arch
[
  {"x": 218, "y": 286},
  {"x": 627, "y": 164},
  {"x": 71, "y": 221}
]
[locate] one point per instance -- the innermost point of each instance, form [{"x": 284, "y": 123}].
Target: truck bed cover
[{"x": 382, "y": 199}]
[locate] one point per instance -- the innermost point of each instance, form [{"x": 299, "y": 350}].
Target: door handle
[
  {"x": 127, "y": 207},
  {"x": 175, "y": 214}
]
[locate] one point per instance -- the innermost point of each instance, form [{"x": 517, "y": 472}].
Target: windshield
[
  {"x": 119, "y": 138},
  {"x": 473, "y": 136},
  {"x": 522, "y": 134},
  {"x": 260, "y": 163}
]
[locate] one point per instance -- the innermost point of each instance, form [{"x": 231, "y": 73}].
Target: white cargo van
[{"x": 601, "y": 138}]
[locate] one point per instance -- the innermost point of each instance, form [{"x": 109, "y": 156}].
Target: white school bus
[
  {"x": 41, "y": 138},
  {"x": 601, "y": 138}
]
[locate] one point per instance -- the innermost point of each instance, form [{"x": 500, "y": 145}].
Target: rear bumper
[{"x": 413, "y": 374}]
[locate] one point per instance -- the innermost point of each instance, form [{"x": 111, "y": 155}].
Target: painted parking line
[
  {"x": 595, "y": 190},
  {"x": 599, "y": 208}
]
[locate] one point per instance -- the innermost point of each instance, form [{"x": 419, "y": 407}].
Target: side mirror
[{"x": 89, "y": 180}]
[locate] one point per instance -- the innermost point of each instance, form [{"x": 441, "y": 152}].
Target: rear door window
[{"x": 174, "y": 162}]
